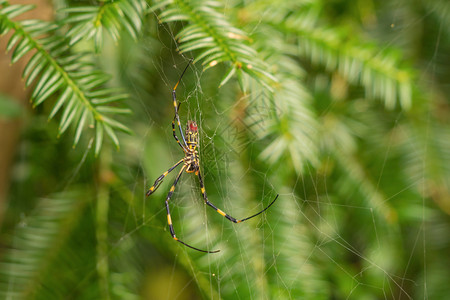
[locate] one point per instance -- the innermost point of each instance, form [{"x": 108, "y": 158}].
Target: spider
[{"x": 190, "y": 164}]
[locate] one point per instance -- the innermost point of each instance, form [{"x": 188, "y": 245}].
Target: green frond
[
  {"x": 37, "y": 240},
  {"x": 285, "y": 117},
  {"x": 89, "y": 22},
  {"x": 214, "y": 39},
  {"x": 380, "y": 72},
  {"x": 294, "y": 128},
  {"x": 71, "y": 77}
]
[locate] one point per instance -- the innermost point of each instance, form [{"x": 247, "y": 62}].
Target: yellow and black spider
[{"x": 191, "y": 164}]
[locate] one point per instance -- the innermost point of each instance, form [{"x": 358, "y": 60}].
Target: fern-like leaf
[
  {"x": 293, "y": 129},
  {"x": 379, "y": 72},
  {"x": 215, "y": 39},
  {"x": 82, "y": 96},
  {"x": 36, "y": 243},
  {"x": 89, "y": 22},
  {"x": 286, "y": 116}
]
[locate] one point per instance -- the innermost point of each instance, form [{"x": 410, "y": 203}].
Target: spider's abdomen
[
  {"x": 192, "y": 162},
  {"x": 191, "y": 168}
]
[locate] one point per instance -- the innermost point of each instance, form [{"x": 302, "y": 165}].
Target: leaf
[
  {"x": 22, "y": 48},
  {"x": 34, "y": 60},
  {"x": 12, "y": 11},
  {"x": 48, "y": 87},
  {"x": 61, "y": 100},
  {"x": 35, "y": 72},
  {"x": 13, "y": 41},
  {"x": 48, "y": 91},
  {"x": 117, "y": 125},
  {"x": 227, "y": 76},
  {"x": 98, "y": 138},
  {"x": 115, "y": 110},
  {"x": 68, "y": 116},
  {"x": 112, "y": 135},
  {"x": 49, "y": 74},
  {"x": 109, "y": 99},
  {"x": 80, "y": 127}
]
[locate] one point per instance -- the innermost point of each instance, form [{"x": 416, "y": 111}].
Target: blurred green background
[{"x": 340, "y": 107}]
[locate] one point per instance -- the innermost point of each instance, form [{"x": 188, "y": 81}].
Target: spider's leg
[
  {"x": 232, "y": 219},
  {"x": 175, "y": 105},
  {"x": 169, "y": 219},
  {"x": 177, "y": 117},
  {"x": 273, "y": 201},
  {"x": 161, "y": 178},
  {"x": 175, "y": 134}
]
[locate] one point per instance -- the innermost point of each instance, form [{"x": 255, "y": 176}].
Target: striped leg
[
  {"x": 205, "y": 197},
  {"x": 175, "y": 135},
  {"x": 177, "y": 117},
  {"x": 161, "y": 178},
  {"x": 169, "y": 219}
]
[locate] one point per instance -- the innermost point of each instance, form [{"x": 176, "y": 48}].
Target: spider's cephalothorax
[
  {"x": 191, "y": 164},
  {"x": 191, "y": 134}
]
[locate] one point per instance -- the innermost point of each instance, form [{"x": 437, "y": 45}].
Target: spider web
[
  {"x": 269, "y": 243},
  {"x": 292, "y": 249},
  {"x": 253, "y": 248}
]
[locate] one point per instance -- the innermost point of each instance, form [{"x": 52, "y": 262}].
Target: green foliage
[
  {"x": 380, "y": 72},
  {"x": 215, "y": 38},
  {"x": 55, "y": 69},
  {"x": 37, "y": 240},
  {"x": 283, "y": 94},
  {"x": 88, "y": 22}
]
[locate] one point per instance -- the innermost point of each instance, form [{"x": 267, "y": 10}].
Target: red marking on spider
[{"x": 193, "y": 126}]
